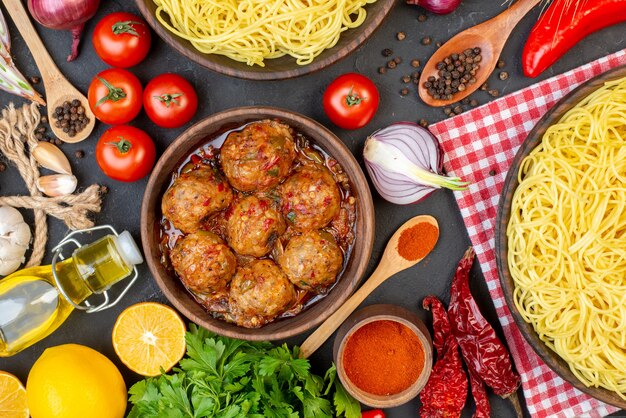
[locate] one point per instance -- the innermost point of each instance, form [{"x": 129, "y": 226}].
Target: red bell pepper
[{"x": 563, "y": 25}]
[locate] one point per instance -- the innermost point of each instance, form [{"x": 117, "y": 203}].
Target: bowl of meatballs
[{"x": 257, "y": 223}]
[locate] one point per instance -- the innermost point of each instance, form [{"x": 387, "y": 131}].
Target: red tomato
[
  {"x": 170, "y": 101},
  {"x": 115, "y": 96},
  {"x": 121, "y": 39},
  {"x": 351, "y": 101},
  {"x": 125, "y": 153}
]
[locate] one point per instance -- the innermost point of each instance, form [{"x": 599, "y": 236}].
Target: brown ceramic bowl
[
  {"x": 374, "y": 313},
  {"x": 511, "y": 182},
  {"x": 200, "y": 134},
  {"x": 279, "y": 68}
]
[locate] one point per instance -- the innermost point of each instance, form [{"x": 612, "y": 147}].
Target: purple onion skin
[
  {"x": 440, "y": 7},
  {"x": 64, "y": 15}
]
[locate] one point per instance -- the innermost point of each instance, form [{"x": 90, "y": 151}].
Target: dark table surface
[{"x": 304, "y": 95}]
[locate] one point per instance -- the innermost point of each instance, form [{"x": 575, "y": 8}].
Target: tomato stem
[
  {"x": 168, "y": 99},
  {"x": 114, "y": 94},
  {"x": 123, "y": 145},
  {"x": 119, "y": 28},
  {"x": 353, "y": 99}
]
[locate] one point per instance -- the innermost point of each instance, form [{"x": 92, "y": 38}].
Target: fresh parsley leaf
[
  {"x": 315, "y": 407},
  {"x": 345, "y": 404}
]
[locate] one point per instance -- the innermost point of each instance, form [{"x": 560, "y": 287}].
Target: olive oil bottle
[{"x": 35, "y": 301}]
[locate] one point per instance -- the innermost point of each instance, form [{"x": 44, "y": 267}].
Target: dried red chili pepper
[
  {"x": 482, "y": 350},
  {"x": 479, "y": 394},
  {"x": 446, "y": 390},
  {"x": 374, "y": 413}
]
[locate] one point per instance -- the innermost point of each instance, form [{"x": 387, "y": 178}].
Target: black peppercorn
[
  {"x": 404, "y": 91},
  {"x": 494, "y": 92},
  {"x": 473, "y": 102},
  {"x": 382, "y": 70},
  {"x": 503, "y": 75},
  {"x": 387, "y": 52},
  {"x": 406, "y": 79},
  {"x": 423, "y": 123},
  {"x": 415, "y": 63},
  {"x": 397, "y": 60},
  {"x": 79, "y": 154},
  {"x": 427, "y": 40},
  {"x": 391, "y": 64},
  {"x": 501, "y": 64},
  {"x": 422, "y": 18},
  {"x": 400, "y": 36}
]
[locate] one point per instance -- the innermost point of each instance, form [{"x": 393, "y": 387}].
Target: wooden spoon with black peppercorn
[
  {"x": 461, "y": 65},
  {"x": 59, "y": 91}
]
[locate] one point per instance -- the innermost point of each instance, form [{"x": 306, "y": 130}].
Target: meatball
[
  {"x": 258, "y": 157},
  {"x": 259, "y": 292},
  {"x": 310, "y": 198},
  {"x": 203, "y": 261},
  {"x": 194, "y": 196},
  {"x": 253, "y": 226},
  {"x": 312, "y": 260}
]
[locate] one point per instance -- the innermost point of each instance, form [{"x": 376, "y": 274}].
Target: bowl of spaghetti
[
  {"x": 264, "y": 39},
  {"x": 561, "y": 238}
]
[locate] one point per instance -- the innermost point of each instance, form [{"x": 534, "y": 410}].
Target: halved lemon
[
  {"x": 13, "y": 403},
  {"x": 149, "y": 337}
]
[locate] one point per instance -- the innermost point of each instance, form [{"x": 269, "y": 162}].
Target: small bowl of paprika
[{"x": 383, "y": 355}]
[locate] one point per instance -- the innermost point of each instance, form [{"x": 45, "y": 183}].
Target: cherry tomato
[
  {"x": 170, "y": 101},
  {"x": 351, "y": 101},
  {"x": 374, "y": 413},
  {"x": 115, "y": 96},
  {"x": 121, "y": 39},
  {"x": 125, "y": 153}
]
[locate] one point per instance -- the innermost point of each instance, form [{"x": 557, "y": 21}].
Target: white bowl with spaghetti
[
  {"x": 264, "y": 39},
  {"x": 561, "y": 238}
]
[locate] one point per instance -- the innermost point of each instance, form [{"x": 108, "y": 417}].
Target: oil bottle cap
[{"x": 128, "y": 248}]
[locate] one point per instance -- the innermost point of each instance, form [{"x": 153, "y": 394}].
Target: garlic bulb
[{"x": 14, "y": 239}]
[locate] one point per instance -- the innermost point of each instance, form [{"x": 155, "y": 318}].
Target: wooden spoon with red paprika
[{"x": 413, "y": 241}]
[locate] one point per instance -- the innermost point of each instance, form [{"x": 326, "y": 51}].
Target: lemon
[
  {"x": 12, "y": 397},
  {"x": 74, "y": 381},
  {"x": 149, "y": 336}
]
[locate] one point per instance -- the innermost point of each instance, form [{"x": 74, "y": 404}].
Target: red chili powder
[
  {"x": 383, "y": 357},
  {"x": 417, "y": 241}
]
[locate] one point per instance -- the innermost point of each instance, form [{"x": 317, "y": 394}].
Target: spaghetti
[
  {"x": 253, "y": 30},
  {"x": 567, "y": 238}
]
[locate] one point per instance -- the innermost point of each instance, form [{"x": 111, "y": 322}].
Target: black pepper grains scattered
[
  {"x": 423, "y": 123},
  {"x": 104, "y": 189},
  {"x": 400, "y": 36},
  {"x": 501, "y": 64},
  {"x": 422, "y": 18},
  {"x": 387, "y": 52},
  {"x": 455, "y": 73},
  {"x": 397, "y": 60},
  {"x": 484, "y": 87},
  {"x": 70, "y": 117},
  {"x": 406, "y": 79},
  {"x": 503, "y": 75},
  {"x": 382, "y": 70},
  {"x": 34, "y": 79},
  {"x": 79, "y": 154},
  {"x": 494, "y": 92},
  {"x": 473, "y": 103},
  {"x": 427, "y": 40},
  {"x": 404, "y": 91},
  {"x": 391, "y": 64},
  {"x": 415, "y": 63},
  {"x": 3, "y": 167}
]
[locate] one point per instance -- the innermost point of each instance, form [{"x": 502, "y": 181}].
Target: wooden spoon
[
  {"x": 391, "y": 263},
  {"x": 58, "y": 89},
  {"x": 489, "y": 36}
]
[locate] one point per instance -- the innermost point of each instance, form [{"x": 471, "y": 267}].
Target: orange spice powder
[
  {"x": 417, "y": 241},
  {"x": 383, "y": 357}
]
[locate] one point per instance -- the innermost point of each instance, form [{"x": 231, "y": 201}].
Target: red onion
[
  {"x": 403, "y": 161},
  {"x": 441, "y": 7},
  {"x": 66, "y": 15}
]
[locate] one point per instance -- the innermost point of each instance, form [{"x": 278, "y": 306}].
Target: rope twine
[{"x": 17, "y": 137}]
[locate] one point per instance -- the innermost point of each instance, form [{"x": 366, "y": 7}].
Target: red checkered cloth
[{"x": 486, "y": 139}]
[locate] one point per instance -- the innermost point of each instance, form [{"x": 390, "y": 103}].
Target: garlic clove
[
  {"x": 51, "y": 157},
  {"x": 57, "y": 184}
]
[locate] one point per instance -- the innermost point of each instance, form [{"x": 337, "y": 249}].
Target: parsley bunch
[{"x": 227, "y": 378}]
